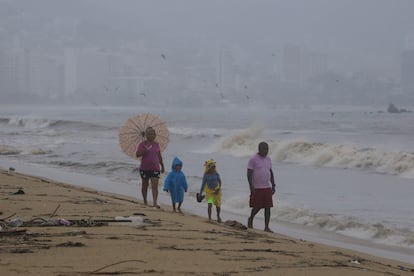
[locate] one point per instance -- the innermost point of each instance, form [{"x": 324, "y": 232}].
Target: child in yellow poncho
[{"x": 211, "y": 185}]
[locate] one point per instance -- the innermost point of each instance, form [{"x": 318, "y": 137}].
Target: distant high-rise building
[
  {"x": 292, "y": 64},
  {"x": 70, "y": 72},
  {"x": 407, "y": 71},
  {"x": 299, "y": 65},
  {"x": 9, "y": 73}
]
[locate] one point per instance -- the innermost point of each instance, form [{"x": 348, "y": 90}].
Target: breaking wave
[
  {"x": 378, "y": 232},
  {"x": 8, "y": 150},
  {"x": 304, "y": 152},
  {"x": 188, "y": 132},
  {"x": 41, "y": 123},
  {"x": 348, "y": 226}
]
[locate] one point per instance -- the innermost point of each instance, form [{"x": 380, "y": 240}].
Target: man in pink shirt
[{"x": 261, "y": 183}]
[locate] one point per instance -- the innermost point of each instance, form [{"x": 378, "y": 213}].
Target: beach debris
[
  {"x": 135, "y": 220},
  {"x": 16, "y": 222},
  {"x": 70, "y": 244},
  {"x": 21, "y": 250},
  {"x": 117, "y": 263},
  {"x": 3, "y": 219},
  {"x": 54, "y": 212},
  {"x": 356, "y": 261},
  {"x": 89, "y": 222},
  {"x": 235, "y": 224},
  {"x": 63, "y": 221},
  {"x": 71, "y": 233},
  {"x": 12, "y": 232},
  {"x": 37, "y": 222},
  {"x": 19, "y": 192},
  {"x": 139, "y": 214},
  {"x": 405, "y": 268}
]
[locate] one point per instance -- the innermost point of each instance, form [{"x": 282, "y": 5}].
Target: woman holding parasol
[
  {"x": 144, "y": 137},
  {"x": 150, "y": 169}
]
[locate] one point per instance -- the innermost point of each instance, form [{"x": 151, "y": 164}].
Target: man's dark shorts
[
  {"x": 261, "y": 198},
  {"x": 149, "y": 174}
]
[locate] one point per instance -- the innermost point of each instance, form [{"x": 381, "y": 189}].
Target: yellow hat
[{"x": 209, "y": 164}]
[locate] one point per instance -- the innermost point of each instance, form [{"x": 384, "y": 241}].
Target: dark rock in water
[{"x": 392, "y": 108}]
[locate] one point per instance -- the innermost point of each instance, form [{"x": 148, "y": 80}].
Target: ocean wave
[
  {"x": 240, "y": 144},
  {"x": 189, "y": 132},
  {"x": 42, "y": 123},
  {"x": 301, "y": 151},
  {"x": 36, "y": 151},
  {"x": 382, "y": 233},
  {"x": 348, "y": 226},
  {"x": 7, "y": 150},
  {"x": 104, "y": 167}
]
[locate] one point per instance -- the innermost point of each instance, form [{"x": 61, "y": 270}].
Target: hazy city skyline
[{"x": 285, "y": 48}]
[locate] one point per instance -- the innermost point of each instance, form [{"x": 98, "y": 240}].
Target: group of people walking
[{"x": 260, "y": 178}]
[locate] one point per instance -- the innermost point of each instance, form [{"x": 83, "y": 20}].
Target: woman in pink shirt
[{"x": 150, "y": 168}]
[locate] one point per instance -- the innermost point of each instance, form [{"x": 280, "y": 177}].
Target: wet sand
[{"x": 113, "y": 234}]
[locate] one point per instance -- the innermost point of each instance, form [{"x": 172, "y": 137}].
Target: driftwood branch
[
  {"x": 54, "y": 212},
  {"x": 121, "y": 262},
  {"x": 12, "y": 233},
  {"x": 8, "y": 217}
]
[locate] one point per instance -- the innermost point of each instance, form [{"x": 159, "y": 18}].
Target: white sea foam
[
  {"x": 344, "y": 225},
  {"x": 36, "y": 151},
  {"x": 7, "y": 150},
  {"x": 188, "y": 132},
  {"x": 301, "y": 151},
  {"x": 30, "y": 122}
]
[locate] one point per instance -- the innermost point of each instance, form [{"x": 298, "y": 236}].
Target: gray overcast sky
[
  {"x": 347, "y": 24},
  {"x": 371, "y": 32},
  {"x": 357, "y": 24},
  {"x": 373, "y": 29}
]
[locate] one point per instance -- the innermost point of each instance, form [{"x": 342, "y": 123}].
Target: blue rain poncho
[{"x": 176, "y": 182}]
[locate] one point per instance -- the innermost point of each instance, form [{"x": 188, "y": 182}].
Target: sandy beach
[{"x": 111, "y": 234}]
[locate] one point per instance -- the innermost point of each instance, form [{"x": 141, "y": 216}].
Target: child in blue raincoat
[{"x": 176, "y": 184}]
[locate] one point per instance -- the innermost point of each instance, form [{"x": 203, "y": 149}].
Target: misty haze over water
[{"x": 203, "y": 53}]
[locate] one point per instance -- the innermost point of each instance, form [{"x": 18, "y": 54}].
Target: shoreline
[
  {"x": 156, "y": 241},
  {"x": 316, "y": 235}
]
